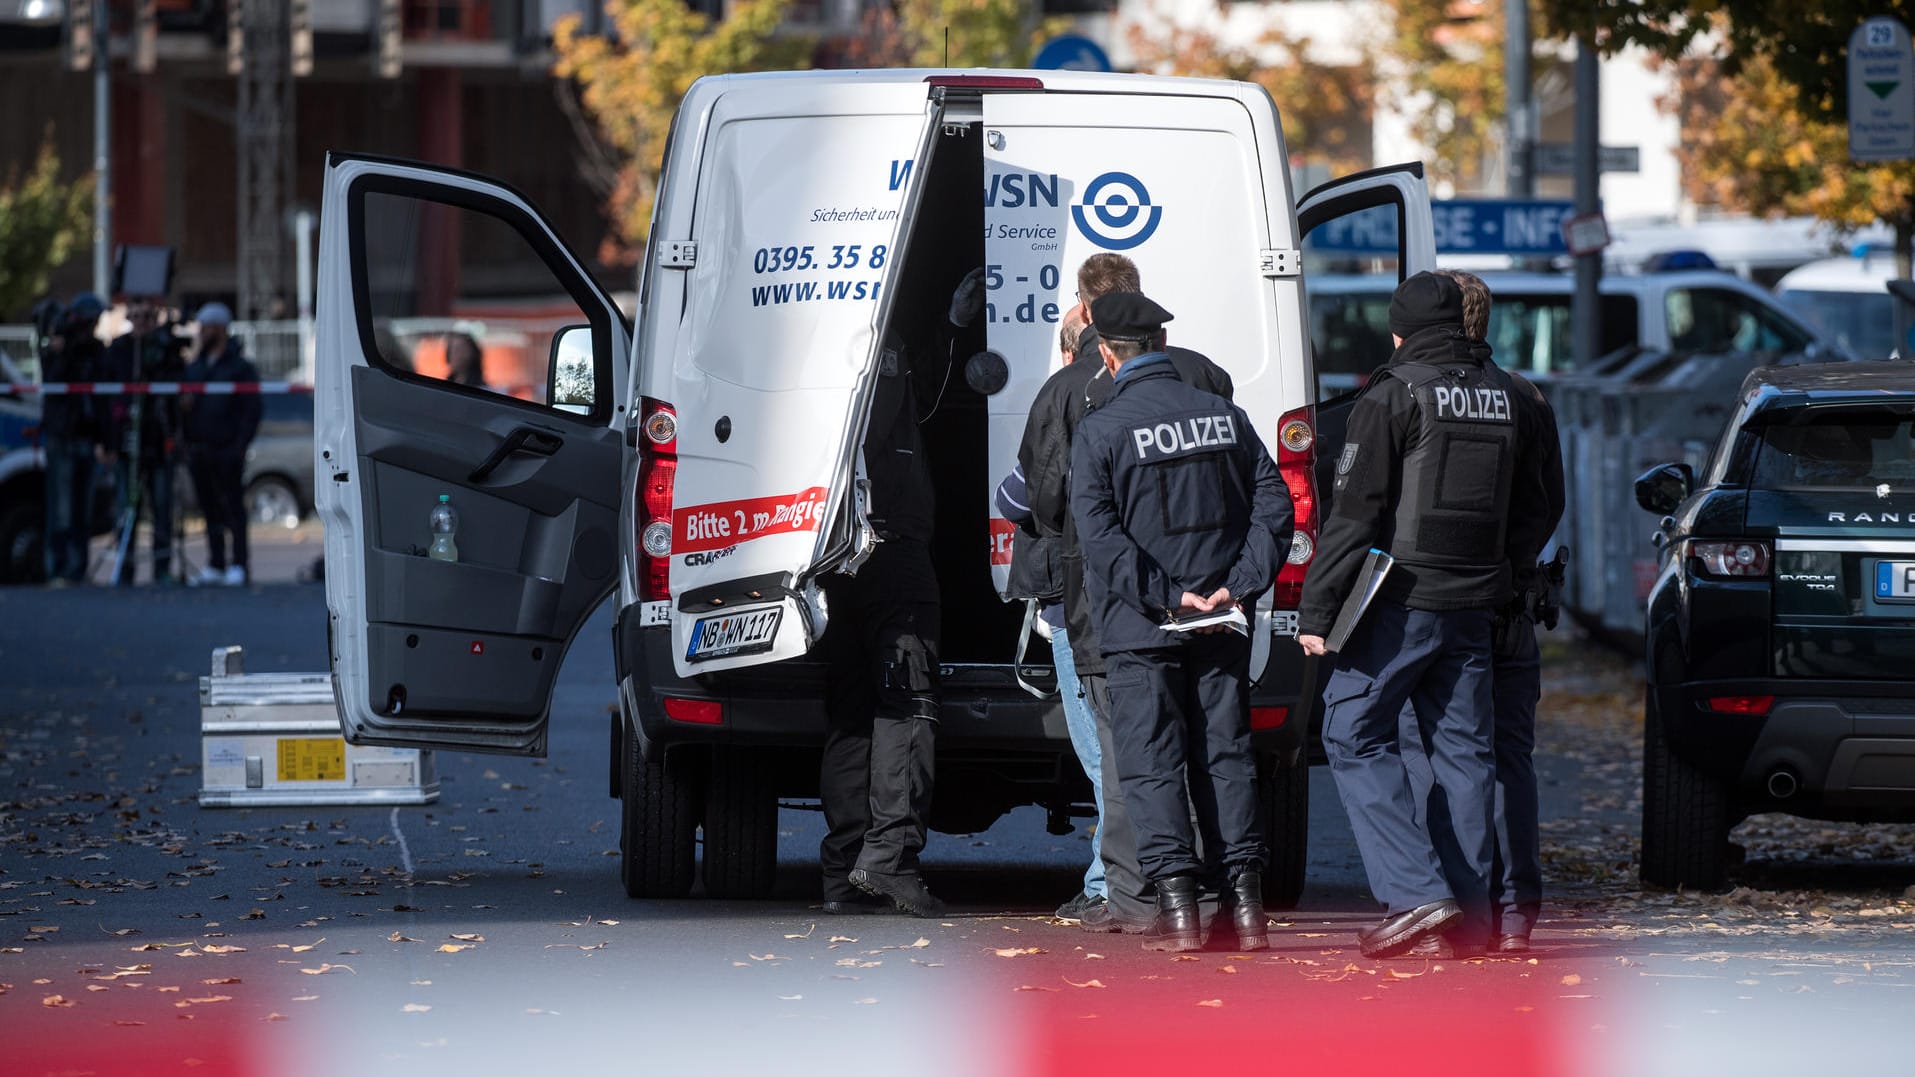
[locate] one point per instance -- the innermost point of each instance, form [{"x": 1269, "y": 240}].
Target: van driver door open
[{"x": 1173, "y": 183}]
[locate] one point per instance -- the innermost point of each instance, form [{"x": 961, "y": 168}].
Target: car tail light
[
  {"x": 1756, "y": 705},
  {"x": 1297, "y": 463},
  {"x": 695, "y": 711},
  {"x": 1731, "y": 559},
  {"x": 1268, "y": 717},
  {"x": 657, "y": 471}
]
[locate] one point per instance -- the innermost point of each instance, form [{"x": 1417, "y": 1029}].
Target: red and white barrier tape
[{"x": 153, "y": 388}]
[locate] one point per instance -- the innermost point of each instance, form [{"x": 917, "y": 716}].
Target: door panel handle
[{"x": 526, "y": 440}]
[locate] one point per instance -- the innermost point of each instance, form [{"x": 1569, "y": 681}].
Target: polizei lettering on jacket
[
  {"x": 1184, "y": 437},
  {"x": 1468, "y": 404}
]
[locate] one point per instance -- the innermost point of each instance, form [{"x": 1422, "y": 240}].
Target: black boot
[
  {"x": 1243, "y": 899},
  {"x": 1179, "y": 926}
]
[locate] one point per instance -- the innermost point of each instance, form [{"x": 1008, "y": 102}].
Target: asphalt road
[{"x": 487, "y": 933}]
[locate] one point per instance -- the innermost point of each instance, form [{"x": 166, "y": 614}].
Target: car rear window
[{"x": 1839, "y": 447}]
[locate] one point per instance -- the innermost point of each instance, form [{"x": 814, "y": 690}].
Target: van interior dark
[{"x": 947, "y": 242}]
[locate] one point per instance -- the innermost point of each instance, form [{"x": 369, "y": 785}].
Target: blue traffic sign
[
  {"x": 1463, "y": 226},
  {"x": 1071, "y": 52}
]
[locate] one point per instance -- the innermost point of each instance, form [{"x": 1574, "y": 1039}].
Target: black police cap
[{"x": 1127, "y": 316}]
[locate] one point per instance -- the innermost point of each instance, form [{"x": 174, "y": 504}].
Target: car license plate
[
  {"x": 743, "y": 632},
  {"x": 1895, "y": 581}
]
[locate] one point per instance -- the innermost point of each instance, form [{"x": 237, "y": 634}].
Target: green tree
[
  {"x": 631, "y": 83},
  {"x": 43, "y": 221}
]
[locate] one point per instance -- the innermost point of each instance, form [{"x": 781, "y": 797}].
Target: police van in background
[{"x": 705, "y": 464}]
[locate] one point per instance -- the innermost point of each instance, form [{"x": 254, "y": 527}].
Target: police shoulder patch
[{"x": 1348, "y": 459}]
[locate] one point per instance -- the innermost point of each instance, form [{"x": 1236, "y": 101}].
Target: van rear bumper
[{"x": 782, "y": 704}]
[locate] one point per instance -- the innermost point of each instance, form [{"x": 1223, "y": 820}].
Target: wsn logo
[{"x": 1116, "y": 213}]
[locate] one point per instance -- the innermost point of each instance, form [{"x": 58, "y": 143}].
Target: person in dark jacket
[
  {"x": 1045, "y": 457},
  {"x": 70, "y": 436},
  {"x": 882, "y": 687},
  {"x": 1180, "y": 511},
  {"x": 1426, "y": 474},
  {"x": 143, "y": 431},
  {"x": 219, "y": 425},
  {"x": 1516, "y": 674}
]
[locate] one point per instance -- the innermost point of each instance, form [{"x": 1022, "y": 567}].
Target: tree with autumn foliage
[
  {"x": 952, "y": 33},
  {"x": 1750, "y": 144},
  {"x": 1763, "y": 103},
  {"x": 1325, "y": 109},
  {"x": 1449, "y": 62},
  {"x": 632, "y": 82}
]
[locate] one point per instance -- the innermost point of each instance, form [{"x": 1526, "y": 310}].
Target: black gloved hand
[{"x": 967, "y": 302}]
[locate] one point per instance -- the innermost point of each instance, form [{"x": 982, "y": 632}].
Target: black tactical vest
[{"x": 1454, "y": 501}]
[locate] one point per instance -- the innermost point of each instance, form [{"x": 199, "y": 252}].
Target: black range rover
[{"x": 1781, "y": 628}]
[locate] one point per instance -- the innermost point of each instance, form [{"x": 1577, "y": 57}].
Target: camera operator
[
  {"x": 142, "y": 431},
  {"x": 70, "y": 433}
]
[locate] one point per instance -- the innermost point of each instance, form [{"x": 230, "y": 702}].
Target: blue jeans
[
  {"x": 1082, "y": 723},
  {"x": 1439, "y": 663},
  {"x": 69, "y": 507}
]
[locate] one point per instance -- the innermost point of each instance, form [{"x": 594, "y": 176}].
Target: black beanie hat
[{"x": 1424, "y": 300}]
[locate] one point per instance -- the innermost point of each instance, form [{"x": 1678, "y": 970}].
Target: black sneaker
[
  {"x": 1102, "y": 919},
  {"x": 854, "y": 905},
  {"x": 1072, "y": 911},
  {"x": 907, "y": 892}
]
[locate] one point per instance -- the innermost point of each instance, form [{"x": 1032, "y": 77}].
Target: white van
[
  {"x": 1846, "y": 300},
  {"x": 706, "y": 463}
]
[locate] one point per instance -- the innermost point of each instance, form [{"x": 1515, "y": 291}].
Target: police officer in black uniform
[
  {"x": 1425, "y": 474},
  {"x": 1069, "y": 394},
  {"x": 882, "y": 683},
  {"x": 1180, "y": 512}
]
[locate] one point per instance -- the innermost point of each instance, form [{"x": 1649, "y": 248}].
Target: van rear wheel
[
  {"x": 741, "y": 825},
  {"x": 1285, "y": 795},
  {"x": 659, "y": 833}
]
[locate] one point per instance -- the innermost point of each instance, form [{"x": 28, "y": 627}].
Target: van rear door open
[
  {"x": 773, "y": 257},
  {"x": 1173, "y": 183}
]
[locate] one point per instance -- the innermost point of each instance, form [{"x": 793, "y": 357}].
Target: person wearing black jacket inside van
[
  {"x": 1045, "y": 455},
  {"x": 882, "y": 684},
  {"x": 1426, "y": 473}
]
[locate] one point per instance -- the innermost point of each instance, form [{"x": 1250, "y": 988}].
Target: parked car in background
[
  {"x": 22, "y": 490},
  {"x": 279, "y": 463},
  {"x": 1846, "y": 300},
  {"x": 1683, "y": 312},
  {"x": 1781, "y": 625}
]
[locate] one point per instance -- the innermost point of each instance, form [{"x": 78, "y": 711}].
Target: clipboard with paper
[
  {"x": 1369, "y": 582},
  {"x": 1230, "y": 617}
]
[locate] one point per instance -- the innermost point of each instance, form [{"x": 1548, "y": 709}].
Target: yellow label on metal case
[{"x": 319, "y": 759}]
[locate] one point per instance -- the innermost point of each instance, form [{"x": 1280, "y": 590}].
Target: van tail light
[
  {"x": 1753, "y": 705},
  {"x": 1731, "y": 559},
  {"x": 657, "y": 472},
  {"x": 1268, "y": 717},
  {"x": 1297, "y": 463},
  {"x": 987, "y": 82}
]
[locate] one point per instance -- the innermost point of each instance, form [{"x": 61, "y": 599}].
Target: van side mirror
[
  {"x": 1661, "y": 489},
  {"x": 569, "y": 374}
]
